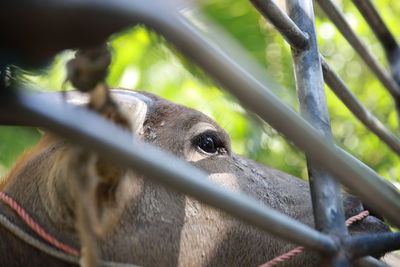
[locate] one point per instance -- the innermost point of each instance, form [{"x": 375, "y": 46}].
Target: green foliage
[
  {"x": 13, "y": 141},
  {"x": 143, "y": 60}
]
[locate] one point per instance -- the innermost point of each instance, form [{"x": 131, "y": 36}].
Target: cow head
[{"x": 159, "y": 226}]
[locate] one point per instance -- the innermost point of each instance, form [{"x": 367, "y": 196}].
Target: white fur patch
[{"x": 134, "y": 105}]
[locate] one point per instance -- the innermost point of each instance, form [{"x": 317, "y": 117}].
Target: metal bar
[
  {"x": 270, "y": 11},
  {"x": 255, "y": 96},
  {"x": 369, "y": 262},
  {"x": 281, "y": 21},
  {"x": 251, "y": 91},
  {"x": 364, "y": 115},
  {"x": 377, "y": 25},
  {"x": 120, "y": 147},
  {"x": 386, "y": 38},
  {"x": 372, "y": 244},
  {"x": 338, "y": 19},
  {"x": 325, "y": 191},
  {"x": 223, "y": 65}
]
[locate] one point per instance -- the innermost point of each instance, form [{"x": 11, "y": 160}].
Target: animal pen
[{"x": 328, "y": 164}]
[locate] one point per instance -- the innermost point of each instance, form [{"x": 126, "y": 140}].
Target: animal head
[{"x": 157, "y": 226}]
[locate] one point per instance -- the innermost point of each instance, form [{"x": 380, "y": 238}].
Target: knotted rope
[{"x": 93, "y": 180}]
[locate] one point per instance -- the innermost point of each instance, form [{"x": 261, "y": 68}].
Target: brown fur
[
  {"x": 160, "y": 227},
  {"x": 27, "y": 155}
]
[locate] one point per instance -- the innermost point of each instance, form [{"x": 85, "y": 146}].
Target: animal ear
[
  {"x": 95, "y": 182},
  {"x": 131, "y": 103}
]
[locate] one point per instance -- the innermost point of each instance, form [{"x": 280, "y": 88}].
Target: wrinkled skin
[{"x": 160, "y": 227}]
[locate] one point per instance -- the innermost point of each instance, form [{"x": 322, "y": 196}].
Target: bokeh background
[{"x": 143, "y": 60}]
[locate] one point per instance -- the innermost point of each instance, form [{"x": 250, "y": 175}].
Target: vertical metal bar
[
  {"x": 325, "y": 191},
  {"x": 294, "y": 36},
  {"x": 220, "y": 57}
]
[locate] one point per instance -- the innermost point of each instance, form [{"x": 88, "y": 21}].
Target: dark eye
[{"x": 209, "y": 142}]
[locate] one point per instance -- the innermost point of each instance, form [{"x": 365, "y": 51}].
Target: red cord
[
  {"x": 298, "y": 250},
  {"x": 357, "y": 217},
  {"x": 42, "y": 233},
  {"x": 35, "y": 227}
]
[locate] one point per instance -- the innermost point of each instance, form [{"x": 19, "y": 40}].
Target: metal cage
[{"x": 310, "y": 131}]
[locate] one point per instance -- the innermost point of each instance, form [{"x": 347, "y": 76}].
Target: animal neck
[{"x": 38, "y": 185}]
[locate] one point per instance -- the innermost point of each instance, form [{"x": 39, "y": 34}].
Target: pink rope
[
  {"x": 357, "y": 217},
  {"x": 298, "y": 250},
  {"x": 35, "y": 227},
  {"x": 46, "y": 236}
]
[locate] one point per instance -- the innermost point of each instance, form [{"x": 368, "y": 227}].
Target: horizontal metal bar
[
  {"x": 363, "y": 114},
  {"x": 377, "y": 25},
  {"x": 116, "y": 145},
  {"x": 369, "y": 262},
  {"x": 252, "y": 92},
  {"x": 281, "y": 21},
  {"x": 338, "y": 19},
  {"x": 372, "y": 244},
  {"x": 233, "y": 72}
]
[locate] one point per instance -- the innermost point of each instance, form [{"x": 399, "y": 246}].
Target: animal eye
[{"x": 209, "y": 142}]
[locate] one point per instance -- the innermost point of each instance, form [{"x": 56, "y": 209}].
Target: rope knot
[{"x": 89, "y": 67}]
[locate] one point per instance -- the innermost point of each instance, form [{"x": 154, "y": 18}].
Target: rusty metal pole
[{"x": 325, "y": 191}]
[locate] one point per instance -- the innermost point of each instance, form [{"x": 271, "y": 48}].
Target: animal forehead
[
  {"x": 143, "y": 106},
  {"x": 163, "y": 111},
  {"x": 165, "y": 116}
]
